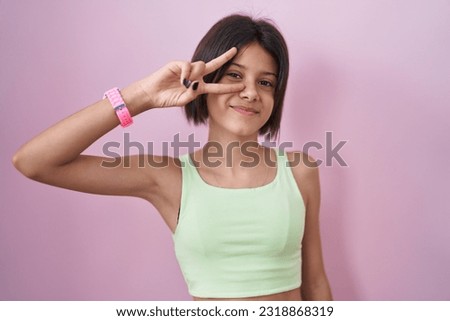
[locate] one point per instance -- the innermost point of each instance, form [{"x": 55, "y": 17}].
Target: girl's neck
[{"x": 230, "y": 151}]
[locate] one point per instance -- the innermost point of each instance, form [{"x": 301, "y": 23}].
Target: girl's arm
[
  {"x": 315, "y": 286},
  {"x": 54, "y": 156}
]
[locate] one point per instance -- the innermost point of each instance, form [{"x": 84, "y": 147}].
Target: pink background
[{"x": 375, "y": 73}]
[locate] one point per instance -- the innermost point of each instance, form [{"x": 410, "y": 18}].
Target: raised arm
[{"x": 54, "y": 156}]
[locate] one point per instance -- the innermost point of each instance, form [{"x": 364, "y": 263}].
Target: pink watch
[{"x": 116, "y": 100}]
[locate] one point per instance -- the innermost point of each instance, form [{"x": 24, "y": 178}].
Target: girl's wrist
[{"x": 136, "y": 99}]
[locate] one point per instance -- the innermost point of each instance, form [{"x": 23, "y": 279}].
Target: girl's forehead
[{"x": 254, "y": 55}]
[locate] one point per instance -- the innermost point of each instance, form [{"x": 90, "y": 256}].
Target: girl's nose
[{"x": 249, "y": 93}]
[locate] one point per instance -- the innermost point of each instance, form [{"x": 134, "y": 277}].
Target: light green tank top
[{"x": 243, "y": 242}]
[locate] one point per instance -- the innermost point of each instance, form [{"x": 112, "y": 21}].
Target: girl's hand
[{"x": 180, "y": 82}]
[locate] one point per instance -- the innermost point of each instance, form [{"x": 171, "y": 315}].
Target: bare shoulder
[
  {"x": 306, "y": 173},
  {"x": 303, "y": 166}
]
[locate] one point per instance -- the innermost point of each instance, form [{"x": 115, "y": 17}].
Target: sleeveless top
[{"x": 239, "y": 242}]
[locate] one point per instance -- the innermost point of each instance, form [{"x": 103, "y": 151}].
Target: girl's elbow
[{"x": 24, "y": 165}]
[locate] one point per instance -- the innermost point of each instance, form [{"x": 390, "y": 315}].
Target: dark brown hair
[{"x": 239, "y": 31}]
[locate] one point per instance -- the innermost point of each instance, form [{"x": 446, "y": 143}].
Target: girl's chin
[{"x": 240, "y": 126}]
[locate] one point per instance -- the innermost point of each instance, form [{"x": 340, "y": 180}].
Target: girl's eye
[
  {"x": 266, "y": 83},
  {"x": 233, "y": 75}
]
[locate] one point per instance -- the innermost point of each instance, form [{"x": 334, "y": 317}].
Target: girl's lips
[{"x": 244, "y": 110}]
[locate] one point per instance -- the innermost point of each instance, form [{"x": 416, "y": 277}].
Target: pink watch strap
[{"x": 122, "y": 112}]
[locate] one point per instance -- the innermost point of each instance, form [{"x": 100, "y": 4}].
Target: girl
[{"x": 244, "y": 217}]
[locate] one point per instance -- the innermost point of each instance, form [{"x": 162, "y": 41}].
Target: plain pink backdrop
[{"x": 374, "y": 73}]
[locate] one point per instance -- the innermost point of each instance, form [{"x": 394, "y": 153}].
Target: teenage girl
[{"x": 244, "y": 218}]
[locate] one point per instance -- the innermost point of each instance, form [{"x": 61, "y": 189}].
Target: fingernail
[
  {"x": 186, "y": 83},
  {"x": 195, "y": 85}
]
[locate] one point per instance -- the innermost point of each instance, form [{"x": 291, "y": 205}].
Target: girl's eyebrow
[{"x": 264, "y": 72}]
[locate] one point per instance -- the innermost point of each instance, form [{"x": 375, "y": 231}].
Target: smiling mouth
[{"x": 245, "y": 110}]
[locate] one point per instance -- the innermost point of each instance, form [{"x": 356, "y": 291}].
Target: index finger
[{"x": 218, "y": 62}]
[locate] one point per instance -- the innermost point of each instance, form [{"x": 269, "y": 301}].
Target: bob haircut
[{"x": 239, "y": 31}]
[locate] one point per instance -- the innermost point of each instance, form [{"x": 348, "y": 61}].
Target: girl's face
[{"x": 245, "y": 112}]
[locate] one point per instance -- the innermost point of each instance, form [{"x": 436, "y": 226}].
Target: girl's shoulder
[
  {"x": 301, "y": 161},
  {"x": 306, "y": 173}
]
